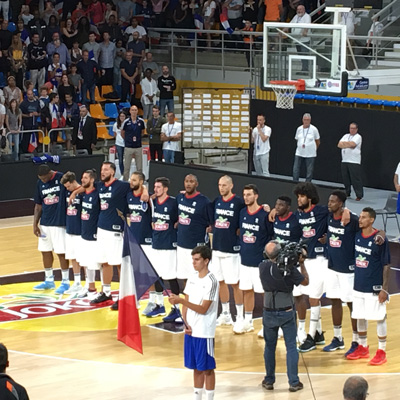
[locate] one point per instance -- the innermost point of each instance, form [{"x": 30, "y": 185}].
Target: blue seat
[
  {"x": 362, "y": 101},
  {"x": 111, "y": 110},
  {"x": 375, "y": 102},
  {"x": 349, "y": 100},
  {"x": 335, "y": 99},
  {"x": 111, "y": 132},
  {"x": 299, "y": 96},
  {"x": 322, "y": 98},
  {"x": 387, "y": 103},
  {"x": 124, "y": 105},
  {"x": 309, "y": 96}
]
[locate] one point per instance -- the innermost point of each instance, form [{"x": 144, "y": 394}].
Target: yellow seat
[
  {"x": 97, "y": 96},
  {"x": 105, "y": 89},
  {"x": 102, "y": 131},
  {"x": 96, "y": 111}
]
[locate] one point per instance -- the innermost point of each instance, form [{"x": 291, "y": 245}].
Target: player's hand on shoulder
[
  {"x": 266, "y": 207},
  {"x": 380, "y": 238},
  {"x": 272, "y": 215},
  {"x": 345, "y": 217}
]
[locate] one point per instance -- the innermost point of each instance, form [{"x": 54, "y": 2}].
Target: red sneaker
[
  {"x": 360, "y": 352},
  {"x": 379, "y": 359}
]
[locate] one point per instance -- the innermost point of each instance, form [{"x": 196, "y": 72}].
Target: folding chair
[{"x": 389, "y": 211}]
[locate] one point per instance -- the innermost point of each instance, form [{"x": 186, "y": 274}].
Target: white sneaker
[
  {"x": 92, "y": 295},
  {"x": 260, "y": 333},
  {"x": 301, "y": 336},
  {"x": 74, "y": 288},
  {"x": 224, "y": 319},
  {"x": 149, "y": 308},
  {"x": 280, "y": 333},
  {"x": 238, "y": 326},
  {"x": 248, "y": 326}
]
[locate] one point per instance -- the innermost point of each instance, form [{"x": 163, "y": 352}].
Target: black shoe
[
  {"x": 267, "y": 386},
  {"x": 296, "y": 387},
  {"x": 308, "y": 345},
  {"x": 101, "y": 298},
  {"x": 114, "y": 307},
  {"x": 319, "y": 338}
]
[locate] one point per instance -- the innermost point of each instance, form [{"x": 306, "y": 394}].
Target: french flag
[
  {"x": 137, "y": 275},
  {"x": 33, "y": 144},
  {"x": 198, "y": 21},
  {"x": 224, "y": 21}
]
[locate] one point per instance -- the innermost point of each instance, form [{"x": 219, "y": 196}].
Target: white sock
[
  {"x": 152, "y": 297},
  {"x": 382, "y": 345},
  {"x": 355, "y": 337},
  {"x": 337, "y": 332},
  {"x": 239, "y": 311},
  {"x": 65, "y": 274},
  {"x": 90, "y": 275},
  {"x": 302, "y": 324},
  {"x": 363, "y": 340},
  {"x": 314, "y": 317},
  {"x": 210, "y": 394},
  {"x": 77, "y": 278},
  {"x": 159, "y": 299},
  {"x": 225, "y": 308},
  {"x": 107, "y": 290},
  {"x": 319, "y": 325},
  {"x": 198, "y": 393},
  {"x": 248, "y": 317},
  {"x": 48, "y": 273}
]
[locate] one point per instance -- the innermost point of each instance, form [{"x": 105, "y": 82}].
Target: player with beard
[
  {"x": 255, "y": 232},
  {"x": 226, "y": 258}
]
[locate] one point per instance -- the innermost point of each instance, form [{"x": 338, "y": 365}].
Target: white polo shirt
[
  {"x": 349, "y": 155},
  {"x": 398, "y": 174},
  {"x": 171, "y": 130},
  {"x": 261, "y": 147},
  {"x": 306, "y": 137}
]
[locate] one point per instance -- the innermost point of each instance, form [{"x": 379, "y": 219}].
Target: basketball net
[{"x": 285, "y": 92}]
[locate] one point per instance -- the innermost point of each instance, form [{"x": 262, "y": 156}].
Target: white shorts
[
  {"x": 367, "y": 306},
  {"x": 53, "y": 239},
  {"x": 109, "y": 247},
  {"x": 87, "y": 254},
  {"x": 250, "y": 279},
  {"x": 184, "y": 263},
  {"x": 164, "y": 262},
  {"x": 316, "y": 269},
  {"x": 339, "y": 285},
  {"x": 72, "y": 244},
  {"x": 298, "y": 290},
  {"x": 225, "y": 266}
]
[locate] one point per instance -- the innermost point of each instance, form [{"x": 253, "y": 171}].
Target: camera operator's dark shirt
[{"x": 278, "y": 288}]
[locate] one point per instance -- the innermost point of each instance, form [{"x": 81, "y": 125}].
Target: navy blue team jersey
[
  {"x": 165, "y": 215},
  {"x": 73, "y": 219},
  {"x": 140, "y": 218},
  {"x": 255, "y": 232},
  {"x": 90, "y": 214},
  {"x": 370, "y": 259},
  {"x": 112, "y": 197},
  {"x": 287, "y": 229},
  {"x": 340, "y": 244},
  {"x": 314, "y": 225},
  {"x": 51, "y": 196},
  {"x": 193, "y": 219},
  {"x": 226, "y": 224}
]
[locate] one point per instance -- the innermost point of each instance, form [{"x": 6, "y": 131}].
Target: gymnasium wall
[{"x": 379, "y": 130}]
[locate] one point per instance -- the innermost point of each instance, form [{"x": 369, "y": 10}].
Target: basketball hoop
[{"x": 285, "y": 92}]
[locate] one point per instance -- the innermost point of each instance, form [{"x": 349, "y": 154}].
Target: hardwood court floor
[{"x": 75, "y": 363}]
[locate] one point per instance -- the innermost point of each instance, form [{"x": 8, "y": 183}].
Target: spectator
[
  {"x": 149, "y": 92},
  {"x": 247, "y": 41},
  {"x": 5, "y": 36},
  {"x": 88, "y": 70},
  {"x": 5, "y": 7},
  {"x": 171, "y": 133},
  {"x": 5, "y": 67},
  {"x": 49, "y": 12},
  {"x": 75, "y": 80},
  {"x": 376, "y": 30},
  {"x": 13, "y": 124},
  {"x": 37, "y": 60},
  {"x": 274, "y": 10},
  {"x": 159, "y": 9},
  {"x": 52, "y": 27},
  {"x": 150, "y": 63},
  {"x": 154, "y": 125},
  {"x": 147, "y": 13},
  {"x": 183, "y": 17},
  {"x": 30, "y": 109},
  {"x": 68, "y": 33},
  {"x": 110, "y": 11},
  {"x": 235, "y": 14},
  {"x": 166, "y": 85},
  {"x": 65, "y": 88},
  {"x": 301, "y": 34},
  {"x": 208, "y": 16},
  {"x": 250, "y": 11},
  {"x": 71, "y": 111},
  {"x": 56, "y": 70},
  {"x": 9, "y": 389},
  {"x": 119, "y": 141},
  {"x": 125, "y": 10},
  {"x": 25, "y": 15},
  {"x": 68, "y": 8},
  {"x": 17, "y": 57},
  {"x": 12, "y": 91},
  {"x": 355, "y": 388},
  {"x": 23, "y": 31},
  {"x": 85, "y": 133},
  {"x": 57, "y": 47},
  {"x": 96, "y": 12},
  {"x": 83, "y": 31},
  {"x": 55, "y": 116},
  {"x": 138, "y": 48},
  {"x": 75, "y": 52},
  {"x": 135, "y": 27},
  {"x": 129, "y": 72},
  {"x": 132, "y": 131},
  {"x": 37, "y": 25},
  {"x": 106, "y": 59},
  {"x": 112, "y": 28},
  {"x": 44, "y": 101},
  {"x": 78, "y": 13},
  {"x": 119, "y": 56},
  {"x": 92, "y": 47}
]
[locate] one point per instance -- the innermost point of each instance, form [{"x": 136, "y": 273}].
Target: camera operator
[{"x": 278, "y": 274}]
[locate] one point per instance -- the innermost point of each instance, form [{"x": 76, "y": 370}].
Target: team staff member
[
  {"x": 50, "y": 213},
  {"x": 153, "y": 128},
  {"x": 255, "y": 232},
  {"x": 171, "y": 133},
  {"x": 279, "y": 312},
  {"x": 132, "y": 131},
  {"x": 371, "y": 280},
  {"x": 129, "y": 72},
  {"x": 226, "y": 246},
  {"x": 260, "y": 139}
]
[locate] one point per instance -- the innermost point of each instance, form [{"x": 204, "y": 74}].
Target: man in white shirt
[
  {"x": 348, "y": 19},
  {"x": 301, "y": 34},
  {"x": 308, "y": 141},
  {"x": 260, "y": 138},
  {"x": 171, "y": 133},
  {"x": 135, "y": 27},
  {"x": 351, "y": 161},
  {"x": 149, "y": 92}
]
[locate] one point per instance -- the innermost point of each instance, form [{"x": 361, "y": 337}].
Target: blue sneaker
[
  {"x": 156, "y": 312},
  {"x": 62, "y": 288},
  {"x": 336, "y": 344},
  {"x": 172, "y": 316},
  {"x": 352, "y": 349},
  {"x": 46, "y": 285}
]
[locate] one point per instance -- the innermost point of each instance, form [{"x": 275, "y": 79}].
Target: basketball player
[
  {"x": 226, "y": 246},
  {"x": 73, "y": 229},
  {"x": 165, "y": 217},
  {"x": 255, "y": 232},
  {"x": 286, "y": 225},
  {"x": 371, "y": 279},
  {"x": 200, "y": 307},
  {"x": 50, "y": 211}
]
